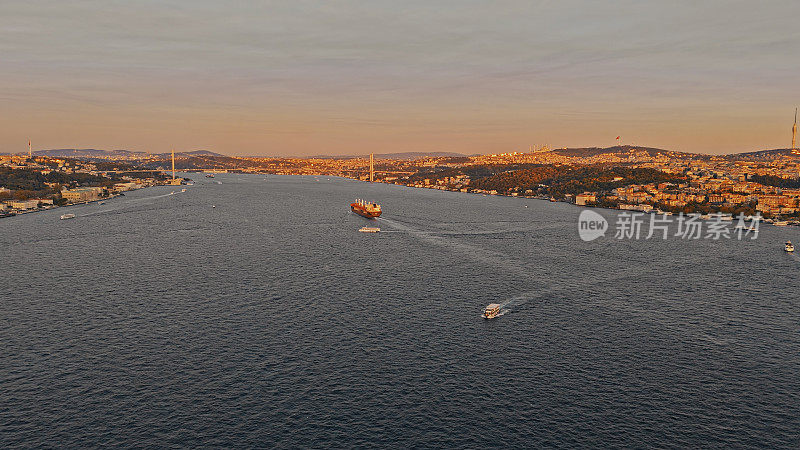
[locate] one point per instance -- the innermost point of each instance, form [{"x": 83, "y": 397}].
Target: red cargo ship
[{"x": 367, "y": 209}]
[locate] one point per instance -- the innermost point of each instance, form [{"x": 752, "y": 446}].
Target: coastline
[
  {"x": 651, "y": 210},
  {"x": 82, "y": 203}
]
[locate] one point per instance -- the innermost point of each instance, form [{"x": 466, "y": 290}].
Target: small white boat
[
  {"x": 789, "y": 247},
  {"x": 67, "y": 216},
  {"x": 726, "y": 217},
  {"x": 369, "y": 229},
  {"x": 183, "y": 190},
  {"x": 491, "y": 311}
]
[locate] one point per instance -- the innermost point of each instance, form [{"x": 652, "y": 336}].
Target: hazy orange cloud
[{"x": 307, "y": 78}]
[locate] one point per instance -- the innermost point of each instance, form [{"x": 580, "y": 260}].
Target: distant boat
[
  {"x": 781, "y": 223},
  {"x": 369, "y": 230},
  {"x": 789, "y": 247},
  {"x": 491, "y": 311},
  {"x": 209, "y": 175},
  {"x": 67, "y": 216}
]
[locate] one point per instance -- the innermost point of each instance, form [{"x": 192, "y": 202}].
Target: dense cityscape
[{"x": 623, "y": 177}]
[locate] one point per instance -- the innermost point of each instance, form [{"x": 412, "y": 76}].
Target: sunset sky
[{"x": 302, "y": 78}]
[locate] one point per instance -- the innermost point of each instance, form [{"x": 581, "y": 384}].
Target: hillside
[
  {"x": 760, "y": 155},
  {"x": 585, "y": 152}
]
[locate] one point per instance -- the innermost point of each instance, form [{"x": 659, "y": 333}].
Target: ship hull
[{"x": 363, "y": 213}]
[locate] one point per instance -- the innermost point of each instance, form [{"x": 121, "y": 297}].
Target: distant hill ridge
[
  {"x": 575, "y": 152},
  {"x": 761, "y": 154},
  {"x": 584, "y": 152},
  {"x": 95, "y": 153}
]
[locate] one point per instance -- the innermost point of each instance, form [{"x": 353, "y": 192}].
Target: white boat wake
[
  {"x": 483, "y": 255},
  {"x": 512, "y": 304},
  {"x": 550, "y": 284},
  {"x": 121, "y": 203}
]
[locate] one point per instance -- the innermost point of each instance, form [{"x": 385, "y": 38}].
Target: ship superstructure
[{"x": 367, "y": 209}]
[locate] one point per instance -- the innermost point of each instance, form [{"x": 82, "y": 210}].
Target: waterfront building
[
  {"x": 82, "y": 194},
  {"x": 24, "y": 204},
  {"x": 586, "y": 197}
]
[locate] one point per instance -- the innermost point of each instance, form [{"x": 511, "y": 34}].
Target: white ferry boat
[
  {"x": 789, "y": 247},
  {"x": 369, "y": 229},
  {"x": 491, "y": 311},
  {"x": 67, "y": 216}
]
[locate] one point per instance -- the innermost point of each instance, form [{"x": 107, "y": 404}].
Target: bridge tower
[
  {"x": 794, "y": 132},
  {"x": 371, "y": 167}
]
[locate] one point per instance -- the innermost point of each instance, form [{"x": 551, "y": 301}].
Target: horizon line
[{"x": 421, "y": 153}]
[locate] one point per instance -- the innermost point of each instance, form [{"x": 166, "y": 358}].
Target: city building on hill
[{"x": 120, "y": 187}]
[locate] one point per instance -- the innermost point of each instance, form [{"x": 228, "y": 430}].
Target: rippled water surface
[{"x": 268, "y": 320}]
